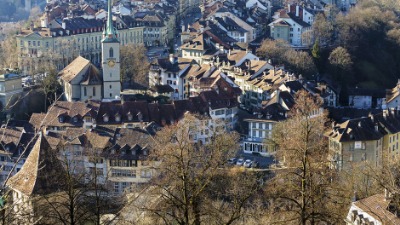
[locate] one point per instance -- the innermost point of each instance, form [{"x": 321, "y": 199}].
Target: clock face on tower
[{"x": 111, "y": 63}]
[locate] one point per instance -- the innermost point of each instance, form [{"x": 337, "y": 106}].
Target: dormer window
[
  {"x": 105, "y": 118},
  {"x": 117, "y": 117},
  {"x": 75, "y": 119},
  {"x": 140, "y": 116},
  {"x": 130, "y": 116},
  {"x": 61, "y": 119}
]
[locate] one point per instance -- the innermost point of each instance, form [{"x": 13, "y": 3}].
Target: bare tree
[
  {"x": 134, "y": 64},
  {"x": 322, "y": 29},
  {"x": 193, "y": 187},
  {"x": 274, "y": 50},
  {"x": 8, "y": 52},
  {"x": 303, "y": 190},
  {"x": 340, "y": 58}
]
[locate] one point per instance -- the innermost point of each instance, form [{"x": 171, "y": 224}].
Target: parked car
[
  {"x": 247, "y": 163},
  {"x": 255, "y": 164},
  {"x": 232, "y": 161},
  {"x": 240, "y": 162}
]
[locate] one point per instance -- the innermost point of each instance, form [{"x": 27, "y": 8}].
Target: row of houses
[
  {"x": 374, "y": 138},
  {"x": 66, "y": 32},
  {"x": 116, "y": 134}
]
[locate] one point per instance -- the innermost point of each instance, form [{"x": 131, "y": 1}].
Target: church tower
[{"x": 110, "y": 59}]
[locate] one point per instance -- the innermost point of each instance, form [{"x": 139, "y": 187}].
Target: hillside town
[{"x": 201, "y": 112}]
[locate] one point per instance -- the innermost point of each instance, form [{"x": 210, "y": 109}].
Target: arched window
[{"x": 111, "y": 52}]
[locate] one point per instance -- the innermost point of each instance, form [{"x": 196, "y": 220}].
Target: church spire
[{"x": 110, "y": 33}]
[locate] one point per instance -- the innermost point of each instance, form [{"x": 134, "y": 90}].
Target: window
[
  {"x": 84, "y": 91},
  {"x": 359, "y": 145},
  {"x": 116, "y": 187},
  {"x": 94, "y": 91},
  {"x": 123, "y": 163},
  {"x": 110, "y": 86},
  {"x": 110, "y": 95},
  {"x": 96, "y": 171},
  {"x": 47, "y": 44},
  {"x": 145, "y": 174},
  {"x": 124, "y": 185},
  {"x": 38, "y": 43},
  {"x": 111, "y": 53},
  {"x": 123, "y": 173},
  {"x": 34, "y": 43}
]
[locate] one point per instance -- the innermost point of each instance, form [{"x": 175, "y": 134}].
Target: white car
[
  {"x": 240, "y": 162},
  {"x": 247, "y": 163}
]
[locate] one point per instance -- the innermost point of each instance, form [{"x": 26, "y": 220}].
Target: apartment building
[{"x": 73, "y": 37}]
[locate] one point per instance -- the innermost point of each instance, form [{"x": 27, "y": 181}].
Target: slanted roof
[
  {"x": 92, "y": 76},
  {"x": 377, "y": 207},
  {"x": 74, "y": 68},
  {"x": 361, "y": 129},
  {"x": 42, "y": 172}
]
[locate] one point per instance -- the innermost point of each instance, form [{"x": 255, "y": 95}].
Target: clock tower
[{"x": 110, "y": 59}]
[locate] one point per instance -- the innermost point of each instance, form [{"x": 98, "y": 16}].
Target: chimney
[
  {"x": 297, "y": 10},
  {"x": 384, "y": 113},
  {"x": 288, "y": 8},
  {"x": 63, "y": 24},
  {"x": 171, "y": 58},
  {"x": 355, "y": 197},
  {"x": 387, "y": 195}
]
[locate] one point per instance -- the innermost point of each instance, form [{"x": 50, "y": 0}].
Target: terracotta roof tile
[
  {"x": 376, "y": 206},
  {"x": 42, "y": 172},
  {"x": 74, "y": 68}
]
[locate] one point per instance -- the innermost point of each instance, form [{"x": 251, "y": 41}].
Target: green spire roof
[{"x": 110, "y": 33}]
